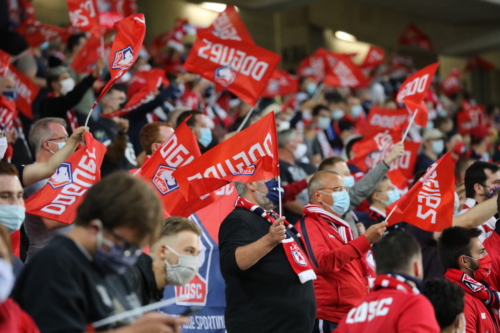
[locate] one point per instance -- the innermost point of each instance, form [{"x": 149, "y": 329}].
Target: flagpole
[
  {"x": 90, "y": 113},
  {"x": 245, "y": 120},
  {"x": 279, "y": 196},
  {"x": 392, "y": 211},
  {"x": 409, "y": 125},
  {"x": 318, "y": 91}
]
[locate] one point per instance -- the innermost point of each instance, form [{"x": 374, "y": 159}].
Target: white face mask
[
  {"x": 300, "y": 151},
  {"x": 184, "y": 271},
  {"x": 67, "y": 85},
  {"x": 7, "y": 280},
  {"x": 3, "y": 147}
]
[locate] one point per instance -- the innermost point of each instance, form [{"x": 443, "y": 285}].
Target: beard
[{"x": 263, "y": 201}]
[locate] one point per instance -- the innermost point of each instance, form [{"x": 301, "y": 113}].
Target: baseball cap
[{"x": 433, "y": 134}]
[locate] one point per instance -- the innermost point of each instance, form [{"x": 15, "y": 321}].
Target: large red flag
[
  {"x": 451, "y": 84},
  {"x": 413, "y": 36},
  {"x": 177, "y": 151},
  {"x": 87, "y": 56},
  {"x": 248, "y": 156},
  {"x": 344, "y": 73},
  {"x": 84, "y": 15},
  {"x": 374, "y": 58},
  {"x": 242, "y": 68},
  {"x": 65, "y": 190},
  {"x": 8, "y": 112},
  {"x": 4, "y": 62},
  {"x": 228, "y": 25},
  {"x": 412, "y": 92},
  {"x": 125, "y": 49},
  {"x": 281, "y": 83},
  {"x": 429, "y": 203},
  {"x": 380, "y": 120},
  {"x": 314, "y": 66},
  {"x": 27, "y": 91},
  {"x": 39, "y": 33}
]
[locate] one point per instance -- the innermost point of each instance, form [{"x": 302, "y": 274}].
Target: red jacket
[
  {"x": 341, "y": 276},
  {"x": 15, "y": 320},
  {"x": 492, "y": 246},
  {"x": 391, "y": 311}
]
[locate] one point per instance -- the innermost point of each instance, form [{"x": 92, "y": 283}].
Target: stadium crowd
[{"x": 333, "y": 262}]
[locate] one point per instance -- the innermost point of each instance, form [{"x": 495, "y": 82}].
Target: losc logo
[
  {"x": 123, "y": 58},
  {"x": 62, "y": 176},
  {"x": 299, "y": 258},
  {"x": 163, "y": 179},
  {"x": 250, "y": 170},
  {"x": 225, "y": 76}
]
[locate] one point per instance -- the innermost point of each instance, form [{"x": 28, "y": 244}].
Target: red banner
[
  {"x": 380, "y": 120},
  {"x": 374, "y": 58},
  {"x": 228, "y": 25},
  {"x": 27, "y": 91},
  {"x": 344, "y": 73},
  {"x": 413, "y": 36},
  {"x": 451, "y": 84},
  {"x": 429, "y": 204},
  {"x": 242, "y": 68},
  {"x": 4, "y": 62},
  {"x": 87, "y": 56},
  {"x": 476, "y": 62},
  {"x": 412, "y": 92},
  {"x": 84, "y": 15},
  {"x": 7, "y": 113},
  {"x": 250, "y": 155},
  {"x": 39, "y": 33},
  {"x": 65, "y": 190},
  {"x": 281, "y": 83}
]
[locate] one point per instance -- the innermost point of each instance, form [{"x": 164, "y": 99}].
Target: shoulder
[
  {"x": 59, "y": 253},
  {"x": 239, "y": 217}
]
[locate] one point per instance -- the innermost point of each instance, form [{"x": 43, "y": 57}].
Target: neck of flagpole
[{"x": 409, "y": 126}]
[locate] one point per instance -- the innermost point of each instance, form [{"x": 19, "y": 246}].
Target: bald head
[{"x": 321, "y": 180}]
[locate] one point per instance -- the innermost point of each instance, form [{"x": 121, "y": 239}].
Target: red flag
[
  {"x": 39, "y": 33},
  {"x": 124, "y": 7},
  {"x": 476, "y": 62},
  {"x": 4, "y": 62},
  {"x": 242, "y": 68},
  {"x": 65, "y": 190},
  {"x": 84, "y": 15},
  {"x": 470, "y": 117},
  {"x": 314, "y": 66},
  {"x": 27, "y": 91},
  {"x": 125, "y": 49},
  {"x": 374, "y": 58},
  {"x": 87, "y": 56},
  {"x": 344, "y": 73},
  {"x": 429, "y": 203},
  {"x": 402, "y": 170},
  {"x": 178, "y": 150},
  {"x": 451, "y": 84},
  {"x": 413, "y": 36},
  {"x": 412, "y": 92},
  {"x": 380, "y": 120},
  {"x": 228, "y": 25},
  {"x": 248, "y": 156},
  {"x": 107, "y": 20},
  {"x": 281, "y": 83},
  {"x": 7, "y": 113}
]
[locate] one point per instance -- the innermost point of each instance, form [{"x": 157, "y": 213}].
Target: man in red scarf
[
  {"x": 396, "y": 297},
  {"x": 337, "y": 258},
  {"x": 468, "y": 264}
]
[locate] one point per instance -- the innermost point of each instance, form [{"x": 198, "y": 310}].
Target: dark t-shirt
[
  {"x": 63, "y": 291},
  {"x": 268, "y": 297},
  {"x": 423, "y": 162},
  {"x": 430, "y": 259}
]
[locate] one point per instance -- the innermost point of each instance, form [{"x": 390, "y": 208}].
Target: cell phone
[{"x": 191, "y": 311}]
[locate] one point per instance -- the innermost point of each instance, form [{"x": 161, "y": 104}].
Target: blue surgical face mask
[
  {"x": 10, "y": 94},
  {"x": 115, "y": 261},
  {"x": 12, "y": 216},
  {"x": 438, "y": 146},
  {"x": 311, "y": 88},
  {"x": 430, "y": 125},
  {"x": 274, "y": 191},
  {"x": 341, "y": 202},
  {"x": 206, "y": 136},
  {"x": 356, "y": 110},
  {"x": 60, "y": 145},
  {"x": 338, "y": 114},
  {"x": 442, "y": 112},
  {"x": 393, "y": 196},
  {"x": 348, "y": 181},
  {"x": 323, "y": 122},
  {"x": 486, "y": 157}
]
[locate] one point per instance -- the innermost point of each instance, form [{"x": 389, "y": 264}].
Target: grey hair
[
  {"x": 54, "y": 74},
  {"x": 285, "y": 136},
  {"x": 40, "y": 131},
  {"x": 316, "y": 182},
  {"x": 241, "y": 188}
]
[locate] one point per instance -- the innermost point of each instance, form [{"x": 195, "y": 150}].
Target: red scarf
[
  {"x": 294, "y": 253},
  {"x": 394, "y": 281},
  {"x": 340, "y": 226},
  {"x": 489, "y": 296}
]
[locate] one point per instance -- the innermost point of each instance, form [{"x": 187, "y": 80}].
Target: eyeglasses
[
  {"x": 129, "y": 249},
  {"x": 335, "y": 189},
  {"x": 62, "y": 138}
]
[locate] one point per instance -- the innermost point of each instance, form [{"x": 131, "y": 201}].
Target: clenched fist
[
  {"x": 277, "y": 231},
  {"x": 396, "y": 152},
  {"x": 375, "y": 232}
]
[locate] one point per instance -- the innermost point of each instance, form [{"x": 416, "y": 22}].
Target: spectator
[
  {"x": 396, "y": 294},
  {"x": 261, "y": 276},
  {"x": 291, "y": 149},
  {"x": 198, "y": 125},
  {"x": 315, "y": 138},
  {"x": 455, "y": 143},
  {"x": 152, "y": 137},
  {"x": 433, "y": 146},
  {"x": 480, "y": 143},
  {"x": 384, "y": 195},
  {"x": 80, "y": 272},
  {"x": 482, "y": 180},
  {"x": 468, "y": 264},
  {"x": 492, "y": 246},
  {"x": 337, "y": 258},
  {"x": 448, "y": 301}
]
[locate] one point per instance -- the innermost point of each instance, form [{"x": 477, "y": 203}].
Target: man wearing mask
[
  {"x": 316, "y": 140},
  {"x": 65, "y": 94},
  {"x": 173, "y": 260},
  {"x": 337, "y": 258},
  {"x": 269, "y": 286},
  {"x": 396, "y": 303},
  {"x": 384, "y": 195},
  {"x": 198, "y": 124},
  {"x": 468, "y": 264},
  {"x": 480, "y": 143},
  {"x": 482, "y": 181},
  {"x": 433, "y": 146},
  {"x": 291, "y": 150},
  {"x": 82, "y": 273}
]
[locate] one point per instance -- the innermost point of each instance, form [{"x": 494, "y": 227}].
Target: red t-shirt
[{"x": 391, "y": 311}]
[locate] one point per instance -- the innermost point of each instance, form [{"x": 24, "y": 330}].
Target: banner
[
  {"x": 240, "y": 67},
  {"x": 451, "y": 84},
  {"x": 228, "y": 25},
  {"x": 413, "y": 36},
  {"x": 27, "y": 91},
  {"x": 380, "y": 119},
  {"x": 412, "y": 92},
  {"x": 180, "y": 149},
  {"x": 429, "y": 204},
  {"x": 8, "y": 113},
  {"x": 65, "y": 190},
  {"x": 87, "y": 56},
  {"x": 248, "y": 156},
  {"x": 38, "y": 33},
  {"x": 374, "y": 58},
  {"x": 84, "y": 15},
  {"x": 281, "y": 83},
  {"x": 344, "y": 73},
  {"x": 4, "y": 62}
]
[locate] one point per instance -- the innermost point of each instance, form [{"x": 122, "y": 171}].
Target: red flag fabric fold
[
  {"x": 27, "y": 91},
  {"x": 84, "y": 15}
]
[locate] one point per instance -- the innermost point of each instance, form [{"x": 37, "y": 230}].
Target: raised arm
[{"x": 477, "y": 215}]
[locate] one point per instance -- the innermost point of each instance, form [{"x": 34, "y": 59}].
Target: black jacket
[{"x": 142, "y": 279}]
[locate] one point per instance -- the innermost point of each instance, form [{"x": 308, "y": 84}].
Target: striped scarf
[
  {"x": 339, "y": 225},
  {"x": 298, "y": 261},
  {"x": 394, "y": 281}
]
